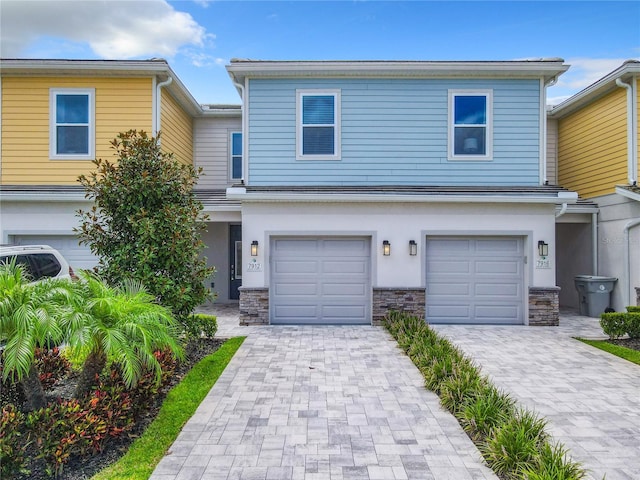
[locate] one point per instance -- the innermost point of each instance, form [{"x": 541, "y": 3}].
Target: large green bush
[
  {"x": 616, "y": 324},
  {"x": 146, "y": 222}
]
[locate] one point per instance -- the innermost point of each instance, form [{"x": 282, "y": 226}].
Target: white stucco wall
[
  {"x": 398, "y": 223},
  {"x": 616, "y": 212},
  {"x": 39, "y": 218}
]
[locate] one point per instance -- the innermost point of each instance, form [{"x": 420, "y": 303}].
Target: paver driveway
[
  {"x": 590, "y": 397},
  {"x": 320, "y": 403}
]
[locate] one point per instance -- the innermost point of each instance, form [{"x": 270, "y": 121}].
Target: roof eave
[
  {"x": 548, "y": 69},
  {"x": 596, "y": 90}
]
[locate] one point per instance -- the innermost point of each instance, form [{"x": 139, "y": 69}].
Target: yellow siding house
[
  {"x": 598, "y": 132},
  {"x": 57, "y": 116}
]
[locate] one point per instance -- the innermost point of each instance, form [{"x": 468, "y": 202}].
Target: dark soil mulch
[
  {"x": 632, "y": 343},
  {"x": 85, "y": 468}
]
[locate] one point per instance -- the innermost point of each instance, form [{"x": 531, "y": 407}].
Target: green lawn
[
  {"x": 617, "y": 350},
  {"x": 180, "y": 404}
]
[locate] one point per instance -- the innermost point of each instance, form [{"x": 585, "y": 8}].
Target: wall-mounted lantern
[
  {"x": 254, "y": 248},
  {"x": 543, "y": 248},
  {"x": 386, "y": 248},
  {"x": 413, "y": 248}
]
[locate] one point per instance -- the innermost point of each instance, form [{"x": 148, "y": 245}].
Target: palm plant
[
  {"x": 31, "y": 316},
  {"x": 122, "y": 324}
]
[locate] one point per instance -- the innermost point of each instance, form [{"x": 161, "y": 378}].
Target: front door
[{"x": 235, "y": 261}]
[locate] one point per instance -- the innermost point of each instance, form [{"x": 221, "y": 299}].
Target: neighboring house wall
[
  {"x": 552, "y": 151},
  {"x": 176, "y": 128},
  {"x": 592, "y": 146},
  {"x": 120, "y": 104},
  {"x": 211, "y": 149},
  {"x": 394, "y": 132}
]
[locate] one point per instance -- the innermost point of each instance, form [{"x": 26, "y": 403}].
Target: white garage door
[
  {"x": 320, "y": 281},
  {"x": 78, "y": 256},
  {"x": 475, "y": 280}
]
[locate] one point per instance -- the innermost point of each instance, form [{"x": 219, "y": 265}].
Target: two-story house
[
  {"x": 59, "y": 115},
  {"x": 421, "y": 186},
  {"x": 597, "y": 156}
]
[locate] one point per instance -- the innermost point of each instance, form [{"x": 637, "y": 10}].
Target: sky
[{"x": 198, "y": 38}]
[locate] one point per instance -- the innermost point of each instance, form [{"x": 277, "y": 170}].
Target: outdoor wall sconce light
[
  {"x": 413, "y": 248},
  {"x": 543, "y": 248},
  {"x": 254, "y": 248},
  {"x": 386, "y": 248}
]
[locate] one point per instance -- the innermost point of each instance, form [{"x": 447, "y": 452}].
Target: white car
[{"x": 39, "y": 261}]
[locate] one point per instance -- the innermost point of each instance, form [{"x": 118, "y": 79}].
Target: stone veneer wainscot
[
  {"x": 544, "y": 306},
  {"x": 254, "y": 306},
  {"x": 408, "y": 300}
]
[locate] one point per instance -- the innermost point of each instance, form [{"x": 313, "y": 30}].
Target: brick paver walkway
[
  {"x": 345, "y": 403},
  {"x": 320, "y": 403},
  {"x": 591, "y": 398}
]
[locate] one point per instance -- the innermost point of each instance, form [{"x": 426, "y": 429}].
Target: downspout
[
  {"x": 159, "y": 104},
  {"x": 627, "y": 259},
  {"x": 594, "y": 242},
  {"x": 562, "y": 211},
  {"x": 245, "y": 163},
  {"x": 543, "y": 115},
  {"x": 632, "y": 147}
]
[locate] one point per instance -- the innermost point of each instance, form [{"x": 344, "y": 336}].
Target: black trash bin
[{"x": 594, "y": 293}]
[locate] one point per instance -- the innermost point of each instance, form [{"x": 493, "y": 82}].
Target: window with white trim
[
  {"x": 235, "y": 158},
  {"x": 72, "y": 124},
  {"x": 318, "y": 124},
  {"x": 470, "y": 125}
]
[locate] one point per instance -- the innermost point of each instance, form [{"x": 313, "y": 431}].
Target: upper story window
[
  {"x": 236, "y": 156},
  {"x": 72, "y": 124},
  {"x": 470, "y": 125},
  {"x": 318, "y": 124}
]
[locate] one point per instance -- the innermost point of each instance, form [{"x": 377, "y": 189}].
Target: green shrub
[
  {"x": 461, "y": 388},
  {"x": 13, "y": 442},
  {"x": 613, "y": 324},
  {"x": 553, "y": 463},
  {"x": 200, "y": 325},
  {"x": 486, "y": 412},
  {"x": 632, "y": 326},
  {"x": 513, "y": 447},
  {"x": 633, "y": 309}
]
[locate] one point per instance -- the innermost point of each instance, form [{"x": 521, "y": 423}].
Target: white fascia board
[
  {"x": 595, "y": 90},
  {"x": 392, "y": 198},
  {"x": 628, "y": 193},
  {"x": 548, "y": 69}
]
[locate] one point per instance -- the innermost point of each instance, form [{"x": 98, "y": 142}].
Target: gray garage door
[
  {"x": 475, "y": 280},
  {"x": 79, "y": 257},
  {"x": 320, "y": 281}
]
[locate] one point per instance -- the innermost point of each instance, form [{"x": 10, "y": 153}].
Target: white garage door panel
[
  {"x": 475, "y": 280},
  {"x": 320, "y": 281},
  {"x": 78, "y": 256}
]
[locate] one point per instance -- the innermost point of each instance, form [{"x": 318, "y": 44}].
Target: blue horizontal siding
[{"x": 394, "y": 132}]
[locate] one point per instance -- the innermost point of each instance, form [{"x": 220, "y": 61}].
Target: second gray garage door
[
  {"x": 475, "y": 280},
  {"x": 320, "y": 280}
]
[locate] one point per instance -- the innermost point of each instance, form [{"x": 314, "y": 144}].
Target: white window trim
[
  {"x": 336, "y": 124},
  {"x": 231, "y": 155},
  {"x": 53, "y": 92},
  {"x": 489, "y": 126}
]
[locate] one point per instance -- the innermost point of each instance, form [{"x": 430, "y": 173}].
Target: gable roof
[
  {"x": 239, "y": 69},
  {"x": 155, "y": 67},
  {"x": 596, "y": 90}
]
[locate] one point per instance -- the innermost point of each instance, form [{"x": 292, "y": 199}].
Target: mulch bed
[
  {"x": 85, "y": 468},
  {"x": 632, "y": 343}
]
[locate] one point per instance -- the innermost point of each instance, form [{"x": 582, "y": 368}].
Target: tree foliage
[{"x": 146, "y": 222}]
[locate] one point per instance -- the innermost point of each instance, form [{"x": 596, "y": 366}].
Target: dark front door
[{"x": 235, "y": 261}]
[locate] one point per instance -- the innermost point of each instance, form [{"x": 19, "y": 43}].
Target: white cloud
[
  {"x": 113, "y": 29},
  {"x": 585, "y": 71}
]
